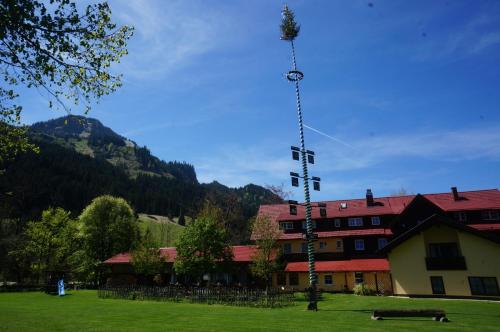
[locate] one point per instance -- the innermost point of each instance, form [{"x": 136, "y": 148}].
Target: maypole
[{"x": 289, "y": 31}]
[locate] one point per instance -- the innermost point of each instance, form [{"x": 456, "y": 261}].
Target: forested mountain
[{"x": 80, "y": 159}]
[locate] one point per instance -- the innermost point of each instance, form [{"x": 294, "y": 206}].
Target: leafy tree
[
  {"x": 50, "y": 242},
  {"x": 146, "y": 258},
  {"x": 55, "y": 47},
  {"x": 109, "y": 227},
  {"x": 203, "y": 245},
  {"x": 265, "y": 261}
]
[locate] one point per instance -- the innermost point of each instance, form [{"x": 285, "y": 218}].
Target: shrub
[{"x": 361, "y": 289}]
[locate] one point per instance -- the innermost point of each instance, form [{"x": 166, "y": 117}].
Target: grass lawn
[{"x": 82, "y": 310}]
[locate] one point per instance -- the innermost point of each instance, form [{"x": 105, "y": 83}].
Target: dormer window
[
  {"x": 355, "y": 222},
  {"x": 343, "y": 205},
  {"x": 375, "y": 220},
  {"x": 286, "y": 225},
  {"x": 489, "y": 215}
]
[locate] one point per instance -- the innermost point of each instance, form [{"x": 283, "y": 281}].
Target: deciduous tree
[
  {"x": 50, "y": 243},
  {"x": 146, "y": 258},
  {"x": 203, "y": 245},
  {"x": 109, "y": 227},
  {"x": 265, "y": 261}
]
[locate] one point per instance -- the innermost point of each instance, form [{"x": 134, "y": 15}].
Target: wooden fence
[{"x": 247, "y": 297}]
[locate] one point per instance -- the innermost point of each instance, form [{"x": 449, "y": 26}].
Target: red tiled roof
[
  {"x": 122, "y": 258},
  {"x": 472, "y": 200},
  {"x": 348, "y": 233},
  {"x": 357, "y": 265},
  {"x": 486, "y": 227},
  {"x": 355, "y": 207},
  {"x": 240, "y": 254}
]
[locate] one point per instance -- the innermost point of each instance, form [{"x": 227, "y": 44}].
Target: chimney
[
  {"x": 454, "y": 192},
  {"x": 369, "y": 197}
]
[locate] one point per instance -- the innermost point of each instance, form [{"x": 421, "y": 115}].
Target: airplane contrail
[{"x": 330, "y": 137}]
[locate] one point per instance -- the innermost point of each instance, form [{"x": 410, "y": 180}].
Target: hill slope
[{"x": 80, "y": 159}]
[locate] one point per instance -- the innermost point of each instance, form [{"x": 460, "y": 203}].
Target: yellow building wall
[
  {"x": 411, "y": 277},
  {"x": 340, "y": 281},
  {"x": 331, "y": 245}
]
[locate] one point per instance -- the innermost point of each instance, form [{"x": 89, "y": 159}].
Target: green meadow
[{"x": 83, "y": 311}]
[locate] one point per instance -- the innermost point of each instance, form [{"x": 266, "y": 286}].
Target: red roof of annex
[{"x": 241, "y": 254}]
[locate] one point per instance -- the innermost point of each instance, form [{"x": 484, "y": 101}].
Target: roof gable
[{"x": 435, "y": 220}]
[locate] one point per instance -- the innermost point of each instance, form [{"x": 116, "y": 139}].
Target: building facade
[
  {"x": 351, "y": 234},
  {"x": 440, "y": 257}
]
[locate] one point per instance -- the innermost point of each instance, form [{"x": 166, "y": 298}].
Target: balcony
[{"x": 445, "y": 263}]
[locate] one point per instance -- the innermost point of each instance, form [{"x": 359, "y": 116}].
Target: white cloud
[
  {"x": 237, "y": 166},
  {"x": 168, "y": 35},
  {"x": 448, "y": 146}
]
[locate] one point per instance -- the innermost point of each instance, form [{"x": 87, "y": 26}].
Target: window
[
  {"x": 461, "y": 216},
  {"x": 286, "y": 225},
  {"x": 337, "y": 222},
  {"x": 339, "y": 244},
  {"x": 328, "y": 279},
  {"x": 353, "y": 222},
  {"x": 483, "y": 286},
  {"x": 489, "y": 215},
  {"x": 281, "y": 279},
  {"x": 375, "y": 221},
  {"x": 322, "y": 245},
  {"x": 287, "y": 248},
  {"x": 303, "y": 247},
  {"x": 437, "y": 285},
  {"x": 382, "y": 242},
  {"x": 304, "y": 224},
  {"x": 443, "y": 250},
  {"x": 359, "y": 244},
  {"x": 293, "y": 278},
  {"x": 358, "y": 278}
]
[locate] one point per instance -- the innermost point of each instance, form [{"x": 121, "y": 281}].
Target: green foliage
[
  {"x": 203, "y": 245},
  {"x": 109, "y": 227},
  {"x": 265, "y": 261},
  {"x": 13, "y": 139},
  {"x": 289, "y": 28},
  {"x": 146, "y": 258},
  {"x": 56, "y": 48},
  {"x": 50, "y": 243},
  {"x": 362, "y": 289}
]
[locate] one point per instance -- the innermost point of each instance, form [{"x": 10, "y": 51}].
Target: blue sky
[{"x": 408, "y": 90}]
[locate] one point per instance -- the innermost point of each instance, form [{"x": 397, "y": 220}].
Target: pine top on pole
[{"x": 289, "y": 28}]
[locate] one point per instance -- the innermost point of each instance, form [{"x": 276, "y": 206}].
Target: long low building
[
  {"x": 444, "y": 244},
  {"x": 122, "y": 271}
]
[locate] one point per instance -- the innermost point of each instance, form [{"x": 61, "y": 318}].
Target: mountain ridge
[{"x": 80, "y": 159}]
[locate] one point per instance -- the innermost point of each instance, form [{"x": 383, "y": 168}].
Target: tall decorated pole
[{"x": 289, "y": 31}]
